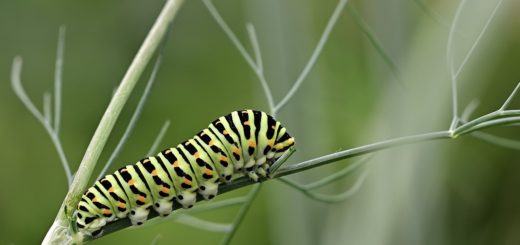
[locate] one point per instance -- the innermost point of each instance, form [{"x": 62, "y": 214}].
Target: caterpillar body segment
[
  {"x": 218, "y": 154},
  {"x": 242, "y": 143},
  {"x": 184, "y": 181}
]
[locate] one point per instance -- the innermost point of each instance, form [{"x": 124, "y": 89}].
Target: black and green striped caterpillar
[{"x": 241, "y": 143}]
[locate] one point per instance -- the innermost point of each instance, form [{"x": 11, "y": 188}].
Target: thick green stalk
[
  {"x": 98, "y": 141},
  {"x": 121, "y": 96}
]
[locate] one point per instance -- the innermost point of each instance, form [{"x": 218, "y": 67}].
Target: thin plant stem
[
  {"x": 449, "y": 57},
  {"x": 241, "y": 214},
  {"x": 346, "y": 194},
  {"x": 496, "y": 140},
  {"x": 510, "y": 98},
  {"x": 374, "y": 41},
  {"x": 58, "y": 75},
  {"x": 493, "y": 123},
  {"x": 159, "y": 138},
  {"x": 257, "y": 66},
  {"x": 492, "y": 139},
  {"x": 477, "y": 40},
  {"x": 317, "y": 51},
  {"x": 274, "y": 167},
  {"x": 467, "y": 126},
  {"x": 260, "y": 66},
  {"x": 227, "y": 30},
  {"x": 339, "y": 174},
  {"x": 471, "y": 125},
  {"x": 322, "y": 160},
  {"x": 470, "y": 108},
  {"x": 16, "y": 83},
  {"x": 256, "y": 47},
  {"x": 210, "y": 226},
  {"x": 47, "y": 107},
  {"x": 202, "y": 224},
  {"x": 307, "y": 188},
  {"x": 429, "y": 11},
  {"x": 135, "y": 117},
  {"x": 259, "y": 71},
  {"x": 328, "y": 198},
  {"x": 216, "y": 205}
]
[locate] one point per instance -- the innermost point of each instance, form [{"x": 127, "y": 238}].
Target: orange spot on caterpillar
[
  {"x": 121, "y": 205},
  {"x": 165, "y": 190},
  {"x": 247, "y": 123},
  {"x": 111, "y": 189},
  {"x": 107, "y": 211},
  {"x": 140, "y": 198},
  {"x": 176, "y": 163},
  {"x": 212, "y": 142},
  {"x": 131, "y": 182},
  {"x": 236, "y": 150},
  {"x": 222, "y": 158},
  {"x": 252, "y": 143},
  {"x": 208, "y": 171},
  {"x": 225, "y": 132},
  {"x": 154, "y": 172},
  {"x": 196, "y": 155},
  {"x": 187, "y": 181}
]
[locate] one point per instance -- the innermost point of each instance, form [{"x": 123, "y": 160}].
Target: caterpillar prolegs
[{"x": 241, "y": 143}]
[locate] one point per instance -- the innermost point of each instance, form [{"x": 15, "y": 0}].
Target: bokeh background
[{"x": 462, "y": 191}]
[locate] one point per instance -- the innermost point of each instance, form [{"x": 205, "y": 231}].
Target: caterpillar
[{"x": 242, "y": 143}]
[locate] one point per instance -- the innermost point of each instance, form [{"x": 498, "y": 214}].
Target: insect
[{"x": 242, "y": 143}]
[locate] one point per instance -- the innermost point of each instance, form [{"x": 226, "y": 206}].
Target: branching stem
[
  {"x": 158, "y": 138},
  {"x": 98, "y": 141},
  {"x": 510, "y": 98},
  {"x": 450, "y": 59},
  {"x": 319, "y": 161},
  {"x": 58, "y": 75},
  {"x": 143, "y": 56},
  {"x": 317, "y": 51},
  {"x": 488, "y": 120},
  {"x": 16, "y": 83},
  {"x": 335, "y": 198}
]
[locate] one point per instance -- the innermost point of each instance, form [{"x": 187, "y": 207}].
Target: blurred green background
[{"x": 463, "y": 191}]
